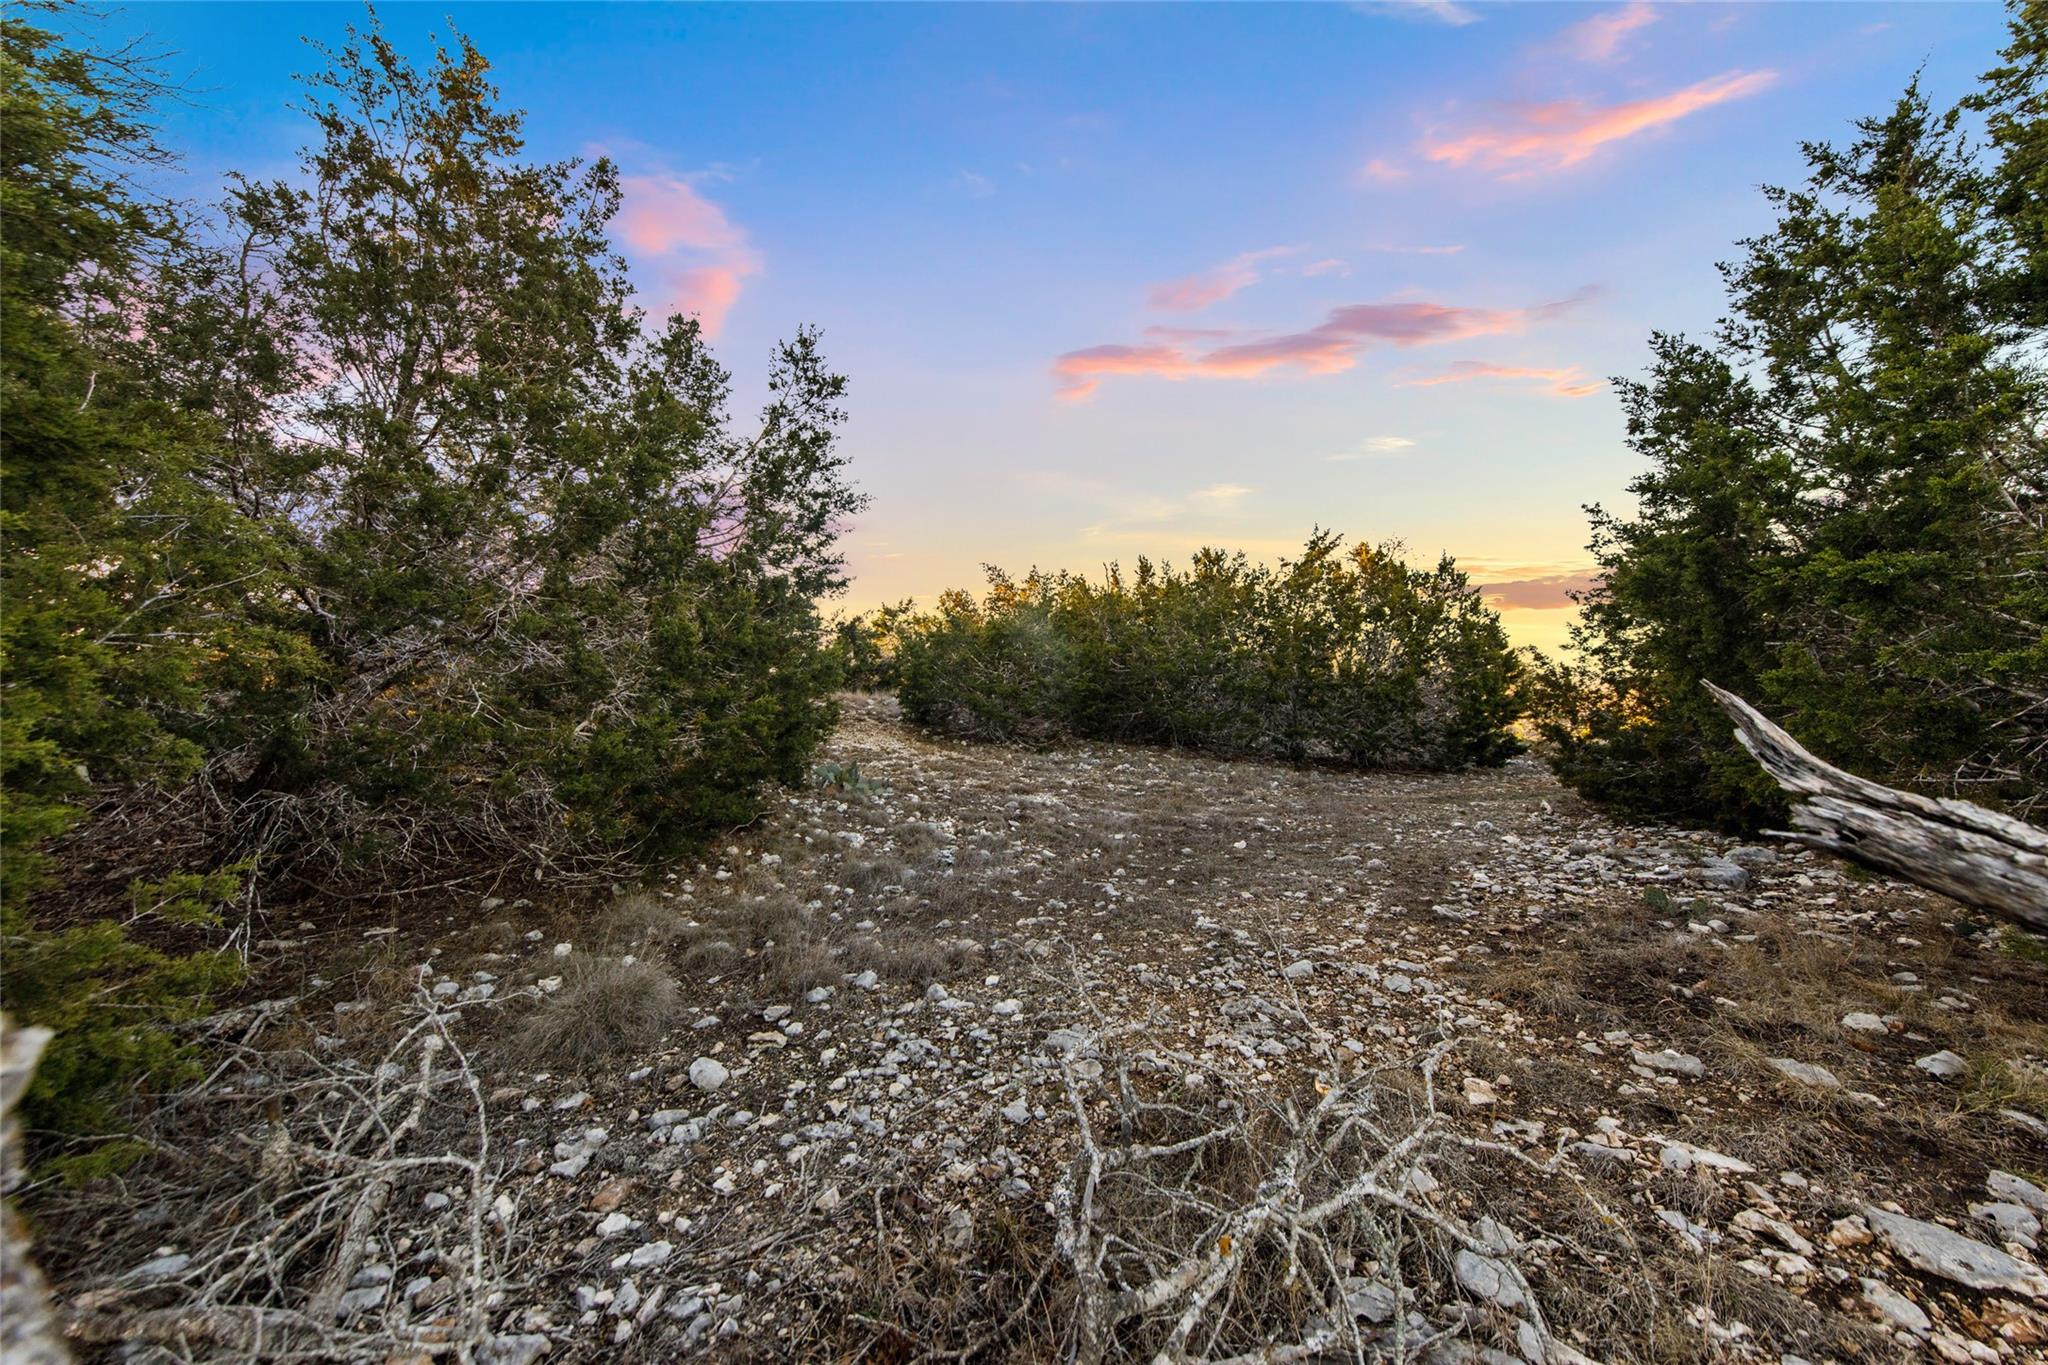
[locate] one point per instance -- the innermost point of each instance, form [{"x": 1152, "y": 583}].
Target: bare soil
[{"x": 889, "y": 976}]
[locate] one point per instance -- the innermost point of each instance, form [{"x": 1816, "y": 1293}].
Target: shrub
[
  {"x": 1347, "y": 658},
  {"x": 865, "y": 647},
  {"x": 606, "y": 1006}
]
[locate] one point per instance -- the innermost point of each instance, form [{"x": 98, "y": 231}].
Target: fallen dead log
[
  {"x": 28, "y": 1333},
  {"x": 1983, "y": 859}
]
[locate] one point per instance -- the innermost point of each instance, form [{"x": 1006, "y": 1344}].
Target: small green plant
[
  {"x": 844, "y": 777},
  {"x": 2023, "y": 945}
]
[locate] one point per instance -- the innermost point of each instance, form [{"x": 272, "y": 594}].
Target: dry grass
[
  {"x": 606, "y": 1006},
  {"x": 797, "y": 965},
  {"x": 870, "y": 876},
  {"x": 642, "y": 921},
  {"x": 918, "y": 959}
]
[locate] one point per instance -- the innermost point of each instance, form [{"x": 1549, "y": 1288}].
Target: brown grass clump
[
  {"x": 641, "y": 920},
  {"x": 605, "y": 1007},
  {"x": 797, "y": 965},
  {"x": 871, "y": 875},
  {"x": 709, "y": 957},
  {"x": 916, "y": 959}
]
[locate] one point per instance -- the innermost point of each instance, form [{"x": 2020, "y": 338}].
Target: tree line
[{"x": 1352, "y": 658}]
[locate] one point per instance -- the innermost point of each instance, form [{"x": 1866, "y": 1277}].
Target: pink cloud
[
  {"x": 1383, "y": 170},
  {"x": 1569, "y": 382},
  {"x": 1547, "y": 593},
  {"x": 1598, "y": 39},
  {"x": 1564, "y": 133},
  {"x": 1330, "y": 347},
  {"x": 708, "y": 291},
  {"x": 700, "y": 256},
  {"x": 662, "y": 213},
  {"x": 1191, "y": 293}
]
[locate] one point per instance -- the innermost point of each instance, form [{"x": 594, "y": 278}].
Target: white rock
[
  {"x": 1806, "y": 1073},
  {"x": 2015, "y": 1222},
  {"x": 651, "y": 1254},
  {"x": 2013, "y": 1190},
  {"x": 1944, "y": 1064},
  {"x": 1673, "y": 1063},
  {"x": 1488, "y": 1279},
  {"x": 708, "y": 1073},
  {"x": 1938, "y": 1251},
  {"x": 1863, "y": 1022},
  {"x": 1896, "y": 1308}
]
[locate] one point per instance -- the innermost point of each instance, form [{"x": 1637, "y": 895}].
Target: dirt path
[{"x": 1680, "y": 1087}]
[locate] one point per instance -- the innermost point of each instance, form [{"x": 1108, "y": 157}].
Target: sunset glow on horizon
[{"x": 1131, "y": 280}]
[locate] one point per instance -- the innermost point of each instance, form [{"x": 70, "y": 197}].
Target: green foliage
[
  {"x": 1348, "y": 658},
  {"x": 555, "y": 607},
  {"x": 865, "y": 646},
  {"x": 844, "y": 777},
  {"x": 117, "y": 568},
  {"x": 364, "y": 532},
  {"x": 1845, "y": 519}
]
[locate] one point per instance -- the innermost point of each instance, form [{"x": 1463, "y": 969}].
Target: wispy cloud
[
  {"x": 1327, "y": 348},
  {"x": 1384, "y": 171},
  {"x": 1549, "y": 592},
  {"x": 1392, "y": 250},
  {"x": 1525, "y": 139},
  {"x": 1192, "y": 293},
  {"x": 1599, "y": 37},
  {"x": 1568, "y": 382},
  {"x": 699, "y": 256},
  {"x": 974, "y": 185},
  {"x": 1373, "y": 448},
  {"x": 1331, "y": 266},
  {"x": 1422, "y": 11},
  {"x": 1220, "y": 494}
]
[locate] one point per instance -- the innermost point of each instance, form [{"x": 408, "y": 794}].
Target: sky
[{"x": 1112, "y": 280}]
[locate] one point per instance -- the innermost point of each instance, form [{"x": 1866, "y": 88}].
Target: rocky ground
[{"x": 976, "y": 1052}]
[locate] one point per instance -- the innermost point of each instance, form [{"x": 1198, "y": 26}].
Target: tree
[
  {"x": 365, "y": 535},
  {"x": 1845, "y": 514},
  {"x": 116, "y": 569},
  {"x": 557, "y": 608}
]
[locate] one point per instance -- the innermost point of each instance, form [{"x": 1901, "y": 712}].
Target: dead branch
[
  {"x": 1281, "y": 1234},
  {"x": 289, "y": 1273},
  {"x": 1976, "y": 856}
]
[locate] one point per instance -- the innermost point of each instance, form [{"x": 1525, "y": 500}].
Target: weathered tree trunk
[
  {"x": 28, "y": 1334},
  {"x": 1979, "y": 857}
]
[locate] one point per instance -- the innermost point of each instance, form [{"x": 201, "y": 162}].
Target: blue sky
[{"x": 1110, "y": 280}]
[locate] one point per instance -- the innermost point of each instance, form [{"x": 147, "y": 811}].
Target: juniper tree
[{"x": 1844, "y": 517}]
